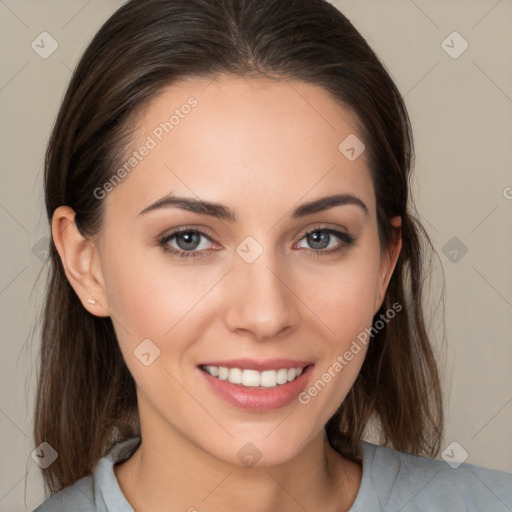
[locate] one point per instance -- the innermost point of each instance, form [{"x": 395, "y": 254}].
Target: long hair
[{"x": 86, "y": 399}]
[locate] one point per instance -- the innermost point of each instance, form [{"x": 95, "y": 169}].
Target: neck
[{"x": 167, "y": 469}]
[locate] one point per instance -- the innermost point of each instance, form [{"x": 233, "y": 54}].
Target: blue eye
[
  {"x": 189, "y": 240},
  {"x": 320, "y": 239}
]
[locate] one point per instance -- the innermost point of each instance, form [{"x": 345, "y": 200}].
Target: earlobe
[
  {"x": 389, "y": 260},
  {"x": 80, "y": 260}
]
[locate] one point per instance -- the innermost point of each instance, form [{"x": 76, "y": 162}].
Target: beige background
[{"x": 461, "y": 110}]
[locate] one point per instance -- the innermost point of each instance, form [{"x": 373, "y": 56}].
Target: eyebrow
[{"x": 222, "y": 212}]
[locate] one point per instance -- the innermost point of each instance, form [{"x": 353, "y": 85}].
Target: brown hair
[{"x": 86, "y": 398}]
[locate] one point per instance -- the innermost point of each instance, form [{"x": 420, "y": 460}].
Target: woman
[{"x": 236, "y": 274}]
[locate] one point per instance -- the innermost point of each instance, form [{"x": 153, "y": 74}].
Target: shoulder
[
  {"x": 400, "y": 481},
  {"x": 79, "y": 496},
  {"x": 99, "y": 492}
]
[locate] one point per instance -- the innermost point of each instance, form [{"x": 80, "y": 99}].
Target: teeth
[
  {"x": 282, "y": 376},
  {"x": 292, "y": 373},
  {"x": 254, "y": 378},
  {"x": 234, "y": 375},
  {"x": 269, "y": 379},
  {"x": 251, "y": 378}
]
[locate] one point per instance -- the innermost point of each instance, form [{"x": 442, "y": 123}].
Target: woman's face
[{"x": 244, "y": 289}]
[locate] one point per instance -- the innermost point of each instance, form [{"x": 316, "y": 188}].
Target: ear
[
  {"x": 81, "y": 262},
  {"x": 389, "y": 258}
]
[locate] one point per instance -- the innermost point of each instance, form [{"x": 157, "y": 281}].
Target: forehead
[{"x": 244, "y": 142}]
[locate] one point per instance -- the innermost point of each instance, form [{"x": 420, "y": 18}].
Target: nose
[{"x": 261, "y": 301}]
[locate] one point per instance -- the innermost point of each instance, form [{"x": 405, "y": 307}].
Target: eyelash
[{"x": 347, "y": 241}]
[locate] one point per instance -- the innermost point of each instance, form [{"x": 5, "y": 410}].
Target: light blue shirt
[{"x": 392, "y": 481}]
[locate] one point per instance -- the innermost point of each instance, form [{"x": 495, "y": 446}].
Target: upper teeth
[{"x": 254, "y": 378}]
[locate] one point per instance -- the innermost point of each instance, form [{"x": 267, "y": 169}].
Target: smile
[
  {"x": 254, "y": 378},
  {"x": 256, "y": 385}
]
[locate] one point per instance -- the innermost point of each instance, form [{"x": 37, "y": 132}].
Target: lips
[{"x": 257, "y": 385}]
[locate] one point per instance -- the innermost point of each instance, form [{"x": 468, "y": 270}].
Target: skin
[{"x": 261, "y": 148}]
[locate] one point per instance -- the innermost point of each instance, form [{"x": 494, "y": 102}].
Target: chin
[{"x": 261, "y": 449}]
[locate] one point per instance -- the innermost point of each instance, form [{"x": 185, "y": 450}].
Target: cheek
[
  {"x": 342, "y": 296},
  {"x": 343, "y": 299},
  {"x": 151, "y": 297},
  {"x": 345, "y": 306}
]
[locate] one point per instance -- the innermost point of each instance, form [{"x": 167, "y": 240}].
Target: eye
[
  {"x": 323, "y": 241},
  {"x": 188, "y": 243}
]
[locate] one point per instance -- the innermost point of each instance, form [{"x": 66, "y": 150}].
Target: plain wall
[{"x": 461, "y": 111}]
